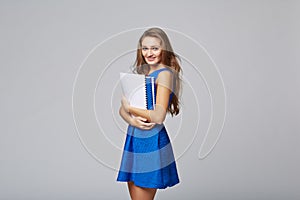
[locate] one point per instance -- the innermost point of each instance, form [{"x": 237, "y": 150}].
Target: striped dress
[{"x": 148, "y": 158}]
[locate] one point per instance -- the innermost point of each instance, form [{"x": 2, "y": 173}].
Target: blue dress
[{"x": 148, "y": 158}]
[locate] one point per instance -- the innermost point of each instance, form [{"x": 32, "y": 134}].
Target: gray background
[{"x": 254, "y": 44}]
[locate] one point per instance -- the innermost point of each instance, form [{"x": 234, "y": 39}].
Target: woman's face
[{"x": 151, "y": 50}]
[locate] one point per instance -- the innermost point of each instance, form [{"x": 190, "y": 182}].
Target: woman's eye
[
  {"x": 144, "y": 48},
  {"x": 154, "y": 48}
]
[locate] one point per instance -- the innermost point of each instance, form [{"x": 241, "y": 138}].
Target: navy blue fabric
[
  {"x": 148, "y": 158},
  {"x": 149, "y": 94}
]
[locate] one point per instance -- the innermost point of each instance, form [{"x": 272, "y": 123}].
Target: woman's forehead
[{"x": 151, "y": 41}]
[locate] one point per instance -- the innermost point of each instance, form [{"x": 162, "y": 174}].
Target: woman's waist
[{"x": 137, "y": 132}]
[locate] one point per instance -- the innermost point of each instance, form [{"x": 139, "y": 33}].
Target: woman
[{"x": 148, "y": 162}]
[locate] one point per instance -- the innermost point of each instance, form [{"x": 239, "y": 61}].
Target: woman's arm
[
  {"x": 135, "y": 121},
  {"x": 164, "y": 85},
  {"x": 125, "y": 115}
]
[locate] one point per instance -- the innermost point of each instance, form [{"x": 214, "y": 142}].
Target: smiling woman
[{"x": 148, "y": 162}]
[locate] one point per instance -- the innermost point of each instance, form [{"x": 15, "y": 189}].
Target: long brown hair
[{"x": 168, "y": 58}]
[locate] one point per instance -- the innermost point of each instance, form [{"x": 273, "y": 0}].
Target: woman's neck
[{"x": 155, "y": 67}]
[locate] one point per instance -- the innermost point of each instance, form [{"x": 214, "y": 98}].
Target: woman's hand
[
  {"x": 136, "y": 121},
  {"x": 141, "y": 123}
]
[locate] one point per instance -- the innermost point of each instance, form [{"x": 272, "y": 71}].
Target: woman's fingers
[
  {"x": 147, "y": 127},
  {"x": 143, "y": 124},
  {"x": 141, "y": 118}
]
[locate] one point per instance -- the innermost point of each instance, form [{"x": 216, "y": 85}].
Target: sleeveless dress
[{"x": 148, "y": 158}]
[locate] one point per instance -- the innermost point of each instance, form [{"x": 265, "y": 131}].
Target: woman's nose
[{"x": 149, "y": 52}]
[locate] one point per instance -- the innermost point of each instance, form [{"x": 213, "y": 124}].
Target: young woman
[{"x": 148, "y": 162}]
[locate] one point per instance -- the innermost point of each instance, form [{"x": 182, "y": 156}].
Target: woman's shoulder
[
  {"x": 165, "y": 74},
  {"x": 165, "y": 77},
  {"x": 164, "y": 69}
]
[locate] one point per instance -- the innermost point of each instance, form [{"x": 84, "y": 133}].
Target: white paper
[{"x": 133, "y": 86}]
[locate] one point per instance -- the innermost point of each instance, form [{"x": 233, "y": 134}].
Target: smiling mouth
[{"x": 151, "y": 58}]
